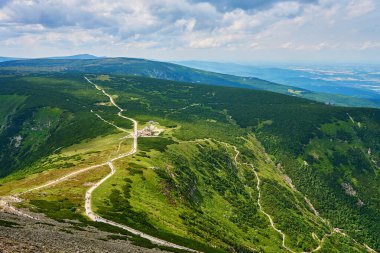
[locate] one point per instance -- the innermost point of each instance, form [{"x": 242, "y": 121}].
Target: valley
[
  {"x": 191, "y": 126},
  {"x": 190, "y": 179}
]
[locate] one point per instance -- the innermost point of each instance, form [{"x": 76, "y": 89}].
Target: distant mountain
[
  {"x": 360, "y": 81},
  {"x": 173, "y": 72},
  {"x": 219, "y": 67},
  {"x": 74, "y": 57},
  {"x": 69, "y": 57},
  {"x": 3, "y": 59},
  {"x": 139, "y": 67}
]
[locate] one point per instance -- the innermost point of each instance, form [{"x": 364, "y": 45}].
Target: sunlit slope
[
  {"x": 330, "y": 148},
  {"x": 196, "y": 183},
  {"x": 173, "y": 72},
  {"x": 52, "y": 113},
  {"x": 139, "y": 67}
]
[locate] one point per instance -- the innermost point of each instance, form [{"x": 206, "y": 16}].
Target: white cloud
[
  {"x": 357, "y": 8},
  {"x": 187, "y": 24},
  {"x": 369, "y": 45},
  {"x": 204, "y": 43},
  {"x": 287, "y": 45},
  {"x": 153, "y": 26},
  {"x": 254, "y": 45}
]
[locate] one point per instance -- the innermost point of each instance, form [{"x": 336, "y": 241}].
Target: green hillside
[
  {"x": 173, "y": 72},
  {"x": 231, "y": 171}
]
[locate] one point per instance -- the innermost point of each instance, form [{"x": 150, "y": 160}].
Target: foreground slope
[{"x": 231, "y": 171}]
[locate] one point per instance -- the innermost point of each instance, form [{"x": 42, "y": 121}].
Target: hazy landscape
[
  {"x": 362, "y": 81},
  {"x": 148, "y": 126}
]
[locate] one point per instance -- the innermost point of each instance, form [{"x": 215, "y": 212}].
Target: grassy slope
[
  {"x": 192, "y": 182},
  {"x": 169, "y": 71},
  {"x": 285, "y": 125},
  {"x": 55, "y": 114},
  {"x": 10, "y": 103}
]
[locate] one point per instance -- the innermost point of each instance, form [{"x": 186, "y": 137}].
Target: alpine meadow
[{"x": 126, "y": 154}]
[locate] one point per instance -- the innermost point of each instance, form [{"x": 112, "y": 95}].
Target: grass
[
  {"x": 38, "y": 128},
  {"x": 10, "y": 103},
  {"x": 184, "y": 186},
  {"x": 78, "y": 156},
  {"x": 104, "y": 78},
  {"x": 338, "y": 243},
  {"x": 165, "y": 210},
  {"x": 157, "y": 143},
  {"x": 71, "y": 191}
]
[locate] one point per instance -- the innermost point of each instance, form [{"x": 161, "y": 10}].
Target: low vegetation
[{"x": 193, "y": 185}]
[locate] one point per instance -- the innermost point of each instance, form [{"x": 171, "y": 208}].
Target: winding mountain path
[
  {"x": 90, "y": 213},
  {"x": 93, "y": 216},
  {"x": 88, "y": 208},
  {"x": 259, "y": 198},
  {"x": 273, "y": 225},
  {"x": 61, "y": 179}
]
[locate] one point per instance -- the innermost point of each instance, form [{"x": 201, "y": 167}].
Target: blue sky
[{"x": 217, "y": 30}]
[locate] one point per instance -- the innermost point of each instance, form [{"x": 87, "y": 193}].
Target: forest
[{"x": 203, "y": 193}]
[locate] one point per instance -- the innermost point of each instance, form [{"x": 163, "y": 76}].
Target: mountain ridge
[
  {"x": 72, "y": 57},
  {"x": 350, "y": 80},
  {"x": 174, "y": 72}
]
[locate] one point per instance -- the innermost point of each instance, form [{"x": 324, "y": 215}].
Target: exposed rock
[
  {"x": 289, "y": 181},
  {"x": 16, "y": 141},
  {"x": 50, "y": 236},
  {"x": 360, "y": 202},
  {"x": 348, "y": 189}
]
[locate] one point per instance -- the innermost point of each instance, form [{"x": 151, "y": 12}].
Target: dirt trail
[
  {"x": 315, "y": 212},
  {"x": 259, "y": 198},
  {"x": 5, "y": 202},
  {"x": 90, "y": 213},
  {"x": 6, "y": 206}
]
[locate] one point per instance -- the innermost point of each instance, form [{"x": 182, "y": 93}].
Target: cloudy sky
[{"x": 218, "y": 30}]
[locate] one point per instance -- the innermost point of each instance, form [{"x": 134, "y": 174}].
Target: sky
[{"x": 214, "y": 30}]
